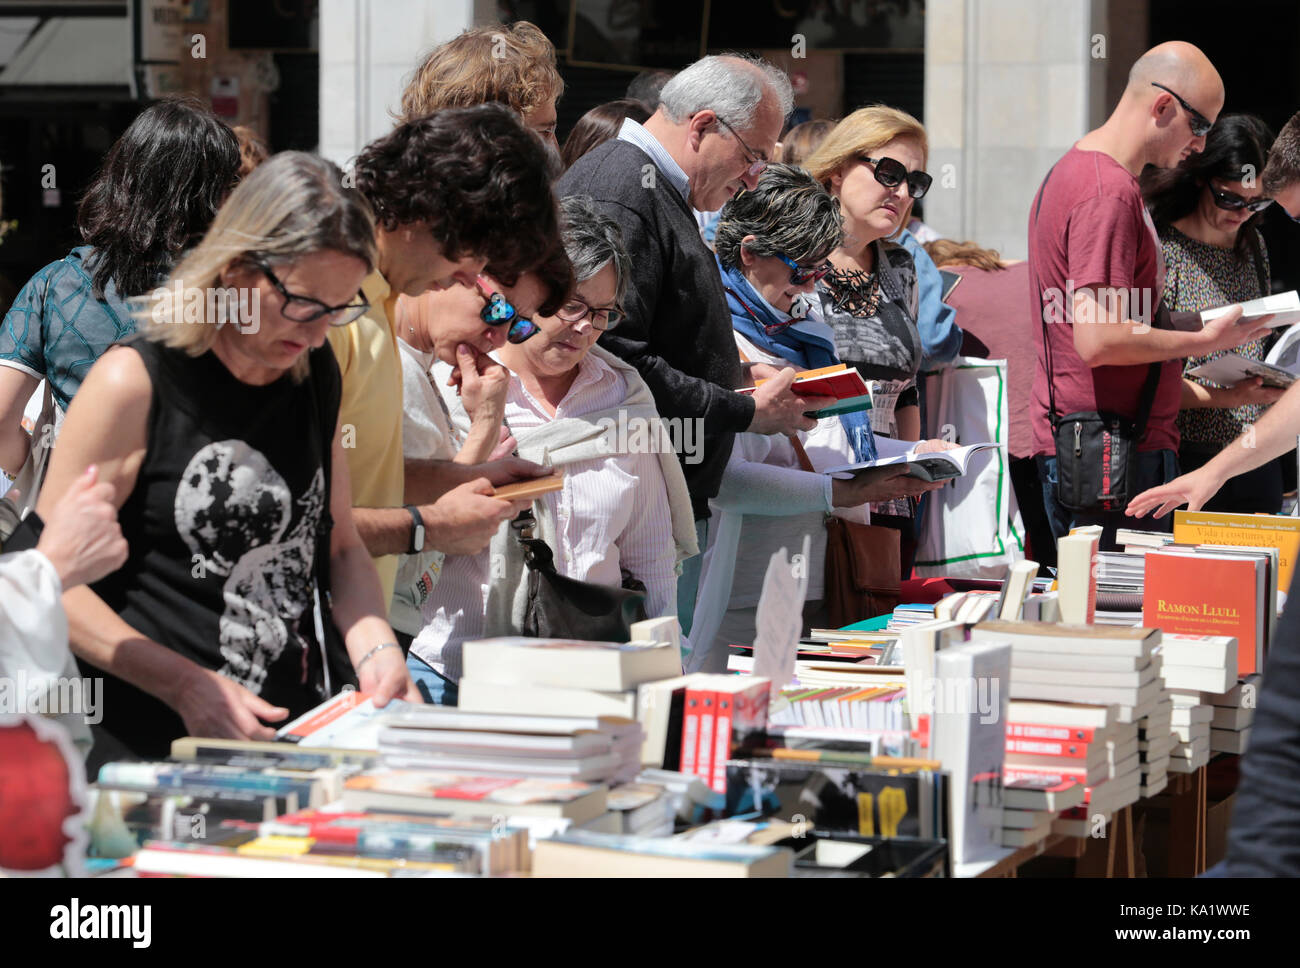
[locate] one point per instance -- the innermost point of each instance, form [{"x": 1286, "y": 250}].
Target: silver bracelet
[{"x": 369, "y": 655}]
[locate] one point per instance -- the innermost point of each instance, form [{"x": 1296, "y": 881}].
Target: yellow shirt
[{"x": 370, "y": 412}]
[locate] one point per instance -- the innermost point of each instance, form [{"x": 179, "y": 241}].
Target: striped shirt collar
[{"x": 635, "y": 134}]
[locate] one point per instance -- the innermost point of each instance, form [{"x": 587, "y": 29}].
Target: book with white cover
[
  {"x": 1061, "y": 638},
  {"x": 1081, "y": 677},
  {"x": 1079, "y": 715},
  {"x": 1284, "y": 307},
  {"x": 940, "y": 465},
  {"x": 569, "y": 663},
  {"x": 1229, "y": 740},
  {"x": 1136, "y": 700},
  {"x": 494, "y": 697},
  {"x": 1027, "y": 659},
  {"x": 1209, "y": 651},
  {"x": 1233, "y": 368},
  {"x": 1195, "y": 677},
  {"x": 970, "y": 742}
]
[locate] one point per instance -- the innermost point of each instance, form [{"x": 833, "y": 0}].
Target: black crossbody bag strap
[{"x": 1146, "y": 398}]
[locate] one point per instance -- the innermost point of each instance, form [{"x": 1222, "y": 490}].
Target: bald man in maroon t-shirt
[{"x": 1095, "y": 263}]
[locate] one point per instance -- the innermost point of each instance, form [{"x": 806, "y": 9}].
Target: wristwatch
[{"x": 417, "y": 530}]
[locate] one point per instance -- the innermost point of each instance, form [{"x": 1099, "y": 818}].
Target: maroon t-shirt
[
  {"x": 986, "y": 304},
  {"x": 1092, "y": 229}
]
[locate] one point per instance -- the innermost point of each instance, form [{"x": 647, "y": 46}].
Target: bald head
[{"x": 1182, "y": 67}]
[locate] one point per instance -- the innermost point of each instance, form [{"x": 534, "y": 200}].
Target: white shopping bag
[{"x": 970, "y": 528}]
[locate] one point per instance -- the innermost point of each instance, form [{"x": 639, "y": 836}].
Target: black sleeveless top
[{"x": 222, "y": 527}]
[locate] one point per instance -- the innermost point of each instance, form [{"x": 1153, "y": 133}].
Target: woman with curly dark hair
[
  {"x": 154, "y": 196},
  {"x": 453, "y": 193},
  {"x": 1206, "y": 212}
]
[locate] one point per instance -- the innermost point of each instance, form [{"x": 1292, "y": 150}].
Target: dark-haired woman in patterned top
[{"x": 1206, "y": 211}]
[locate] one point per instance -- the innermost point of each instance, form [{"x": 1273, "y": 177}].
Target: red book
[
  {"x": 690, "y": 731},
  {"x": 1207, "y": 594},
  {"x": 1047, "y": 747},
  {"x": 1062, "y": 734},
  {"x": 740, "y": 709},
  {"x": 704, "y": 753}
]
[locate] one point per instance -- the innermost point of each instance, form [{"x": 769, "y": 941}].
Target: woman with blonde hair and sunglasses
[
  {"x": 874, "y": 164},
  {"x": 216, "y": 429}
]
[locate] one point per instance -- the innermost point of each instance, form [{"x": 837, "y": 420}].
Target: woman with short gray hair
[
  {"x": 772, "y": 246},
  {"x": 623, "y": 514}
]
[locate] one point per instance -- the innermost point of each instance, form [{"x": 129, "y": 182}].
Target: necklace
[{"x": 854, "y": 291}]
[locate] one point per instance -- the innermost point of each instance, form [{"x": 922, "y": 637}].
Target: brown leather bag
[{"x": 863, "y": 564}]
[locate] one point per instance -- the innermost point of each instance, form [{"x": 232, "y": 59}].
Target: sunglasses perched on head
[
  {"x": 1198, "y": 122},
  {"x": 800, "y": 276},
  {"x": 1229, "y": 201},
  {"x": 499, "y": 312},
  {"x": 305, "y": 309},
  {"x": 891, "y": 174}
]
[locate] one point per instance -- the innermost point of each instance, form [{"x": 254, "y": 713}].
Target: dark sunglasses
[
  {"x": 1234, "y": 203},
  {"x": 891, "y": 174},
  {"x": 499, "y": 312},
  {"x": 800, "y": 276},
  {"x": 304, "y": 309},
  {"x": 756, "y": 163},
  {"x": 1198, "y": 122}
]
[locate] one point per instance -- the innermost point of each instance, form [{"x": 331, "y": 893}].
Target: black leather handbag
[{"x": 565, "y": 608}]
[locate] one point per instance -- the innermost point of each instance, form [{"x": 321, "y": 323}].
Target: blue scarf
[{"x": 752, "y": 315}]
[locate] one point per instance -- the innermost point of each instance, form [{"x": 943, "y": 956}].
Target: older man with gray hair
[{"x": 713, "y": 133}]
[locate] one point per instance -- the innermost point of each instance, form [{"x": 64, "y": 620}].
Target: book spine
[
  {"x": 690, "y": 731},
  {"x": 1063, "y": 734},
  {"x": 723, "y": 718},
  {"x": 1039, "y": 747},
  {"x": 704, "y": 755}
]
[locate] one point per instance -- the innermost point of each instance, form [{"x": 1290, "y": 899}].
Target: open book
[
  {"x": 1284, "y": 307},
  {"x": 940, "y": 466},
  {"x": 1279, "y": 369}
]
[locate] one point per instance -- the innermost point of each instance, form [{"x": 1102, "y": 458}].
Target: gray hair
[
  {"x": 788, "y": 213},
  {"x": 730, "y": 85},
  {"x": 592, "y": 241}
]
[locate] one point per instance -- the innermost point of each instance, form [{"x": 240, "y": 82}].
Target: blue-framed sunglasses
[
  {"x": 499, "y": 312},
  {"x": 799, "y": 275}
]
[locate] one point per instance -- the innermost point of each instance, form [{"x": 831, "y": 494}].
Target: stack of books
[
  {"x": 561, "y": 677},
  {"x": 1190, "y": 743},
  {"x": 1199, "y": 663},
  {"x": 905, "y": 616},
  {"x": 1228, "y": 715},
  {"x": 586, "y": 853},
  {"x": 1056, "y": 742},
  {"x": 1155, "y": 744},
  {"x": 1136, "y": 542},
  {"x": 1081, "y": 664},
  {"x": 873, "y": 707},
  {"x": 596, "y": 749},
  {"x": 1032, "y": 801},
  {"x": 720, "y": 714},
  {"x": 643, "y": 809}
]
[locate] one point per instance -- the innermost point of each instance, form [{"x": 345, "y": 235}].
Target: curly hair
[
  {"x": 789, "y": 213},
  {"x": 476, "y": 177},
  {"x": 156, "y": 193},
  {"x": 514, "y": 66}
]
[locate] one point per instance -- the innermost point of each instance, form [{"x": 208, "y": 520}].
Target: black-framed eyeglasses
[
  {"x": 602, "y": 318},
  {"x": 892, "y": 173},
  {"x": 756, "y": 161},
  {"x": 1232, "y": 202},
  {"x": 499, "y": 312},
  {"x": 800, "y": 275},
  {"x": 305, "y": 309},
  {"x": 1198, "y": 122}
]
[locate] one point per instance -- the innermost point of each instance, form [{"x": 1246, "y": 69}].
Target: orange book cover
[
  {"x": 1199, "y": 595},
  {"x": 837, "y": 381},
  {"x": 1251, "y": 530}
]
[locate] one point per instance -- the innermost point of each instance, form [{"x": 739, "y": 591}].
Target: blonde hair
[
  {"x": 293, "y": 205},
  {"x": 946, "y": 252},
  {"x": 512, "y": 65},
  {"x": 861, "y": 133},
  {"x": 802, "y": 140}
]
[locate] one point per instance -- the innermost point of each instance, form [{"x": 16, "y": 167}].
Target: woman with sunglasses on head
[
  {"x": 217, "y": 430},
  {"x": 772, "y": 248},
  {"x": 460, "y": 327},
  {"x": 1207, "y": 211},
  {"x": 874, "y": 163},
  {"x": 623, "y": 516}
]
